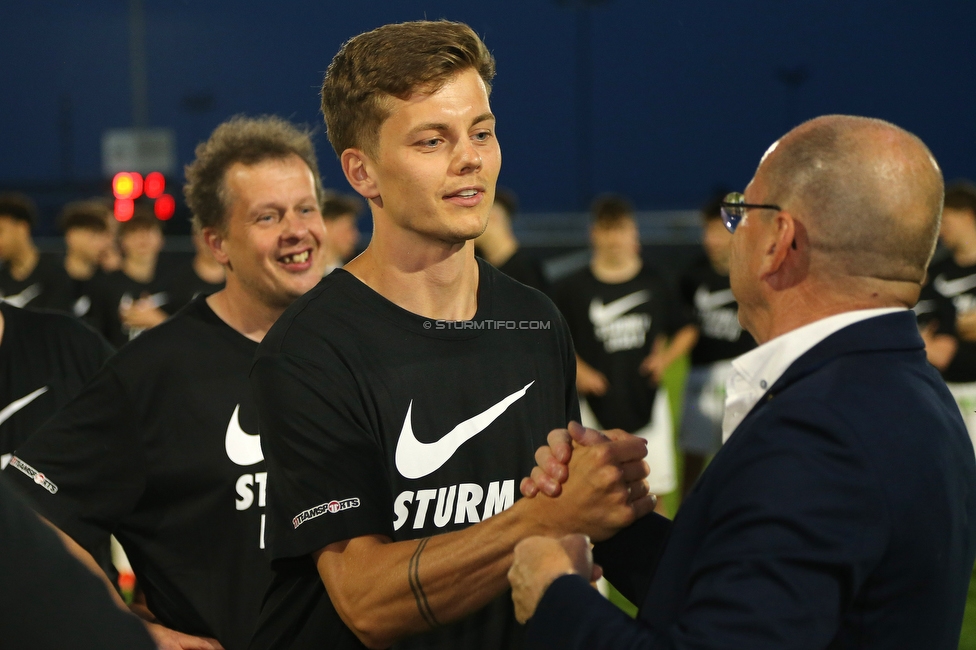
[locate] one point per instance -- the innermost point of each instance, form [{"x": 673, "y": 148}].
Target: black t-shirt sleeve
[
  {"x": 92, "y": 458},
  {"x": 50, "y": 600},
  {"x": 325, "y": 465}
]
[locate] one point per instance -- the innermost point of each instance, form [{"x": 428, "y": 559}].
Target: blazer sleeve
[
  {"x": 573, "y": 615},
  {"x": 792, "y": 537}
]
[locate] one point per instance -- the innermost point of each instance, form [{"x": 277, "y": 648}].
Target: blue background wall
[{"x": 674, "y": 98}]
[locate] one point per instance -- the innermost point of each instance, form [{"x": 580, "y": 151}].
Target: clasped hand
[{"x": 607, "y": 465}]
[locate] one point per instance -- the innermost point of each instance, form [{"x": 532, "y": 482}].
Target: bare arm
[
  {"x": 385, "y": 590},
  {"x": 589, "y": 380},
  {"x": 663, "y": 355}
]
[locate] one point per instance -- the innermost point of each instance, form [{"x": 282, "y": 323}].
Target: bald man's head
[{"x": 868, "y": 192}]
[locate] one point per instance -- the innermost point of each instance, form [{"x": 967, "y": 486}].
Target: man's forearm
[{"x": 387, "y": 590}]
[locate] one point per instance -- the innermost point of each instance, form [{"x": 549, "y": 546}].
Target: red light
[
  {"x": 124, "y": 209},
  {"x": 127, "y": 185},
  {"x": 155, "y": 185},
  {"x": 164, "y": 207}
]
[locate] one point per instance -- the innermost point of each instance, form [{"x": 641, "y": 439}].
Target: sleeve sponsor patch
[
  {"x": 34, "y": 475},
  {"x": 321, "y": 509}
]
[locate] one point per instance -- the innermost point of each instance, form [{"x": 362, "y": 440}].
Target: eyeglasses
[{"x": 734, "y": 208}]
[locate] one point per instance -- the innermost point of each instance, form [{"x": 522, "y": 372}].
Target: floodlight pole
[{"x": 137, "y": 64}]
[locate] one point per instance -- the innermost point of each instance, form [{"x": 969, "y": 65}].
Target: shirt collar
[{"x": 757, "y": 370}]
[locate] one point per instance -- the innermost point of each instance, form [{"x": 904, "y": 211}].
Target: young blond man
[{"x": 402, "y": 399}]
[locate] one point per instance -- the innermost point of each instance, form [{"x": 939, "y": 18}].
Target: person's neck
[
  {"x": 615, "y": 270},
  {"x": 141, "y": 270},
  {"x": 24, "y": 264},
  {"x": 78, "y": 268},
  {"x": 242, "y": 311},
  {"x": 436, "y": 280},
  {"x": 806, "y": 305},
  {"x": 208, "y": 269},
  {"x": 965, "y": 254},
  {"x": 500, "y": 249}
]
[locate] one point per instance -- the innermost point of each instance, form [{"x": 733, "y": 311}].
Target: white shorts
[
  {"x": 965, "y": 396},
  {"x": 659, "y": 434}
]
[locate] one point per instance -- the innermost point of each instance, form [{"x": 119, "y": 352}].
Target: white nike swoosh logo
[
  {"x": 21, "y": 299},
  {"x": 952, "y": 288},
  {"x": 415, "y": 459},
  {"x": 242, "y": 448},
  {"x": 18, "y": 404},
  {"x": 601, "y": 314},
  {"x": 707, "y": 301}
]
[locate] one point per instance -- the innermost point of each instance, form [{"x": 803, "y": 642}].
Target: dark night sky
[{"x": 679, "y": 96}]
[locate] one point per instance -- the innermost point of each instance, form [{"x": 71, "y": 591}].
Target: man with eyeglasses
[{"x": 841, "y": 512}]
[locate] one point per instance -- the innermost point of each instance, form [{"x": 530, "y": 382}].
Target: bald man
[{"x": 841, "y": 512}]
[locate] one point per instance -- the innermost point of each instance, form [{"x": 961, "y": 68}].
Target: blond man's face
[{"x": 437, "y": 161}]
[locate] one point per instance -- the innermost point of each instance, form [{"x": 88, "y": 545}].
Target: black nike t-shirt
[
  {"x": 951, "y": 290},
  {"x": 44, "y": 288},
  {"x": 45, "y": 359},
  {"x": 614, "y": 327},
  {"x": 111, "y": 291},
  {"x": 708, "y": 295},
  {"x": 48, "y": 599},
  {"x": 377, "y": 421},
  {"x": 161, "y": 449}
]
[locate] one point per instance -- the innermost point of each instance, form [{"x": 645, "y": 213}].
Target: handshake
[{"x": 594, "y": 479}]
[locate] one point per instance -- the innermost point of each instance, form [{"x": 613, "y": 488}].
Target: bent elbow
[{"x": 366, "y": 625}]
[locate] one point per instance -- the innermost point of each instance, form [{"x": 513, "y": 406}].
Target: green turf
[{"x": 967, "y": 641}]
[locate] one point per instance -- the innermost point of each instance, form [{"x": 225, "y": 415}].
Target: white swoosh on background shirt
[
  {"x": 952, "y": 288},
  {"x": 601, "y": 314},
  {"x": 25, "y": 296},
  {"x": 415, "y": 459},
  {"x": 707, "y": 301},
  {"x": 242, "y": 448},
  {"x": 18, "y": 404}
]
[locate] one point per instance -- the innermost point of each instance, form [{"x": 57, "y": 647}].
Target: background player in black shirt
[
  {"x": 498, "y": 244},
  {"x": 621, "y": 314},
  {"x": 129, "y": 301},
  {"x": 27, "y": 278},
  {"x": 162, "y": 447},
  {"x": 705, "y": 291},
  {"x": 340, "y": 212},
  {"x": 87, "y": 237},
  {"x": 45, "y": 359},
  {"x": 946, "y": 309},
  {"x": 396, "y": 413},
  {"x": 203, "y": 276}
]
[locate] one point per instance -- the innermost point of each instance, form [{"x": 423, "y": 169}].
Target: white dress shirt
[{"x": 757, "y": 370}]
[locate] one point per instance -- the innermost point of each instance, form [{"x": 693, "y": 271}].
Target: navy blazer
[{"x": 840, "y": 514}]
